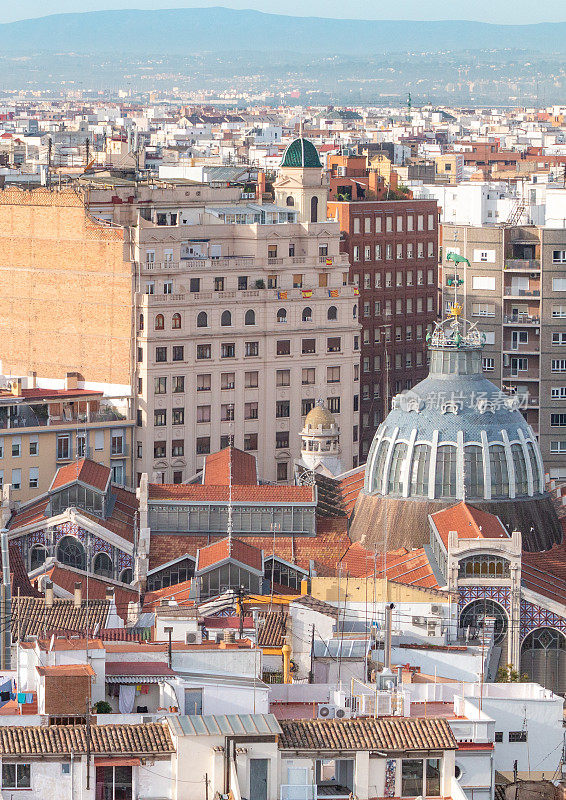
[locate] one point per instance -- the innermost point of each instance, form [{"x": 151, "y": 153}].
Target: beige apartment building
[
  {"x": 515, "y": 290},
  {"x": 245, "y": 319},
  {"x": 41, "y": 429},
  {"x": 220, "y": 315}
]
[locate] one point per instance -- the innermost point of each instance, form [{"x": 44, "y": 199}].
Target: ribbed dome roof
[
  {"x": 455, "y": 434},
  {"x": 319, "y": 417},
  {"x": 301, "y": 153}
]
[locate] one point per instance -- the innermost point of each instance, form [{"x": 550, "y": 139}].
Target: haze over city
[{"x": 282, "y": 400}]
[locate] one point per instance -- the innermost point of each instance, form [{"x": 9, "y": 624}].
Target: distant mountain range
[{"x": 197, "y": 30}]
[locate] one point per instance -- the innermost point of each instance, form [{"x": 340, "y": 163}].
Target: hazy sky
[{"x": 504, "y": 11}]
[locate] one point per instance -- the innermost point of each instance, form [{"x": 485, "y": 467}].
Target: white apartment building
[{"x": 244, "y": 319}]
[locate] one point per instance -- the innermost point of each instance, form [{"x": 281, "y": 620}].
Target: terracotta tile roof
[
  {"x": 317, "y": 605},
  {"x": 31, "y": 617},
  {"x": 325, "y": 549},
  {"x": 385, "y": 733},
  {"x": 66, "y": 670},
  {"x": 217, "y": 468},
  {"x": 86, "y": 471},
  {"x": 403, "y": 566},
  {"x": 33, "y": 512},
  {"x": 350, "y": 486},
  {"x": 53, "y": 740},
  {"x": 51, "y": 394},
  {"x": 121, "y": 635},
  {"x": 196, "y": 492},
  {"x": 221, "y": 550},
  {"x": 19, "y": 578},
  {"x": 545, "y": 572},
  {"x": 271, "y": 627},
  {"x": 469, "y": 522},
  {"x": 65, "y": 578},
  {"x": 178, "y": 592},
  {"x": 148, "y": 668},
  {"x": 329, "y": 500}
]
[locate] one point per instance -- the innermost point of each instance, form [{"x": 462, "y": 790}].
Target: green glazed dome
[{"x": 301, "y": 153}]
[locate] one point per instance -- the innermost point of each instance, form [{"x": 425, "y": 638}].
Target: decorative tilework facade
[
  {"x": 51, "y": 537},
  {"x": 533, "y": 617},
  {"x": 500, "y": 594},
  {"x": 390, "y": 773}
]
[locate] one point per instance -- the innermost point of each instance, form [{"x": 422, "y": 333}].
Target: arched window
[
  {"x": 103, "y": 565},
  {"x": 483, "y": 613},
  {"x": 355, "y": 311},
  {"x": 71, "y": 552},
  {"x": 542, "y": 658},
  {"x": 307, "y": 314},
  {"x": 534, "y": 468},
  {"x": 127, "y": 576},
  {"x": 169, "y": 576},
  {"x": 332, "y": 313},
  {"x": 37, "y": 556},
  {"x": 473, "y": 470},
  {"x": 420, "y": 470},
  {"x": 483, "y": 566},
  {"x": 249, "y": 319},
  {"x": 520, "y": 467},
  {"x": 141, "y": 322},
  {"x": 499, "y": 473},
  {"x": 445, "y": 484},
  {"x": 395, "y": 485},
  {"x": 226, "y": 319},
  {"x": 282, "y": 315},
  {"x": 314, "y": 209},
  {"x": 159, "y": 322},
  {"x": 202, "y": 320},
  {"x": 377, "y": 482},
  {"x": 176, "y": 322},
  {"x": 290, "y": 201}
]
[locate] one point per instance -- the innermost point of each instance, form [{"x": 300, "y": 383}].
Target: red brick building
[{"x": 393, "y": 252}]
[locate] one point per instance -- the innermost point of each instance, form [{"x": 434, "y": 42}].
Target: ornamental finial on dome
[{"x": 456, "y": 332}]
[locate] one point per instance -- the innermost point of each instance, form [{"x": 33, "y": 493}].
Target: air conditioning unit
[
  {"x": 343, "y": 713},
  {"x": 435, "y": 609},
  {"x": 420, "y": 622},
  {"x": 326, "y": 711},
  {"x": 506, "y": 360},
  {"x": 191, "y": 638}
]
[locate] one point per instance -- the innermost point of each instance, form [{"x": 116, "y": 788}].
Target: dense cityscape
[{"x": 283, "y": 426}]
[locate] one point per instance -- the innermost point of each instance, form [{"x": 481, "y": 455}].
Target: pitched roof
[
  {"x": 350, "y": 486},
  {"x": 203, "y": 493},
  {"x": 32, "y": 617},
  {"x": 148, "y": 668},
  {"x": 545, "y": 572},
  {"x": 325, "y": 549},
  {"x": 385, "y": 733},
  {"x": 54, "y": 740},
  {"x": 235, "y": 549},
  {"x": 86, "y": 471},
  {"x": 240, "y": 465},
  {"x": 271, "y": 627},
  {"x": 411, "y": 567},
  {"x": 319, "y": 606},
  {"x": 469, "y": 523},
  {"x": 66, "y": 671}
]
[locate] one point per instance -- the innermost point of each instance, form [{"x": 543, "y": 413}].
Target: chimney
[
  {"x": 72, "y": 380},
  {"x": 78, "y": 594},
  {"x": 260, "y": 185},
  {"x": 49, "y": 594},
  {"x": 110, "y": 593},
  {"x": 32, "y": 380},
  {"x": 16, "y": 387}
]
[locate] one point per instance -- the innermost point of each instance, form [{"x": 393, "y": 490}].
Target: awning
[
  {"x": 117, "y": 762},
  {"x": 135, "y": 679}
]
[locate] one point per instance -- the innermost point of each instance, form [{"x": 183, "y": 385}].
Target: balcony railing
[
  {"x": 520, "y": 319},
  {"x": 33, "y": 421},
  {"x": 522, "y": 264},
  {"x": 509, "y": 291}
]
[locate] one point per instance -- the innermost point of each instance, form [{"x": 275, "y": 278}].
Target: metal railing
[{"x": 520, "y": 319}]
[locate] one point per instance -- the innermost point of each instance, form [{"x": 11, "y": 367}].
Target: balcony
[
  {"x": 510, "y": 292},
  {"x": 161, "y": 266},
  {"x": 521, "y": 265},
  {"x": 520, "y": 319},
  {"x": 33, "y": 420}
]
